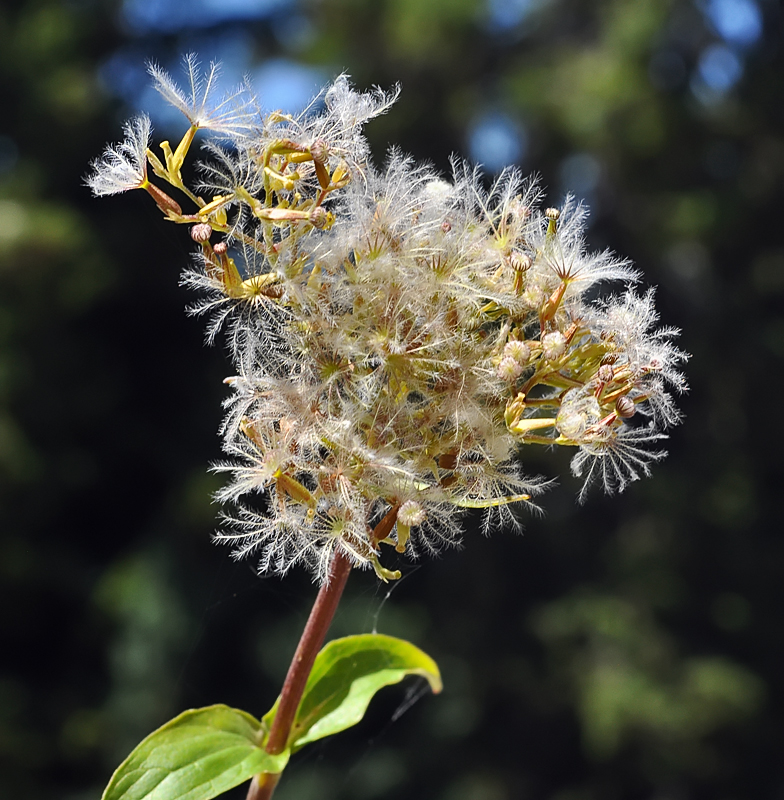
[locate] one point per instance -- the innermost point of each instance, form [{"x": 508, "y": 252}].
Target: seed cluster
[{"x": 395, "y": 336}]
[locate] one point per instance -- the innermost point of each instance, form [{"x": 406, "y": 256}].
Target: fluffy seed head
[{"x": 396, "y": 335}]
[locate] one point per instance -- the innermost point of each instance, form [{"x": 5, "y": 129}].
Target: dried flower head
[
  {"x": 123, "y": 166},
  {"x": 396, "y": 336}
]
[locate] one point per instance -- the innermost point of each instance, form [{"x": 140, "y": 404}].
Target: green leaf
[
  {"x": 196, "y": 756},
  {"x": 346, "y": 675}
]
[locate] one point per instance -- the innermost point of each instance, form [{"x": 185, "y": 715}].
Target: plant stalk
[
  {"x": 309, "y": 645},
  {"x": 262, "y": 786}
]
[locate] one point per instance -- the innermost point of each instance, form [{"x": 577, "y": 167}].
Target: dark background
[{"x": 629, "y": 648}]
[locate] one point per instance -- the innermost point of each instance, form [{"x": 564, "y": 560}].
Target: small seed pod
[
  {"x": 201, "y": 232},
  {"x": 318, "y": 218},
  {"x": 605, "y": 373},
  {"x": 221, "y": 248},
  {"x": 552, "y": 214},
  {"x": 167, "y": 204},
  {"x": 446, "y": 226},
  {"x": 624, "y": 407}
]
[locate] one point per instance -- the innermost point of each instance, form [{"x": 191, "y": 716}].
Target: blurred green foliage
[{"x": 628, "y": 648}]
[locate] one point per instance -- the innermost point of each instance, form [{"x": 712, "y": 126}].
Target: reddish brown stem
[
  {"x": 309, "y": 644},
  {"x": 263, "y": 785}
]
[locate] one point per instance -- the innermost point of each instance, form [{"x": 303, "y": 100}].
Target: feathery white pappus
[{"x": 396, "y": 335}]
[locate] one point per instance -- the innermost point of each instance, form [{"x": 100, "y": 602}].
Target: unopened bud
[
  {"x": 318, "y": 218},
  {"x": 624, "y": 407},
  {"x": 201, "y": 232},
  {"x": 319, "y": 150},
  {"x": 553, "y": 345},
  {"x": 552, "y": 215},
  {"x": 520, "y": 262},
  {"x": 605, "y": 373},
  {"x": 446, "y": 226},
  {"x": 221, "y": 248}
]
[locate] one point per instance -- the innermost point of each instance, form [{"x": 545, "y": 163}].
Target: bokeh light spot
[
  {"x": 580, "y": 174},
  {"x": 738, "y": 22},
  {"x": 166, "y": 15},
  {"x": 496, "y": 140},
  {"x": 505, "y": 14},
  {"x": 284, "y": 84},
  {"x": 719, "y": 68}
]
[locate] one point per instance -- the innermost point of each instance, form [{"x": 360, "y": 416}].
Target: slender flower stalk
[
  {"x": 262, "y": 786},
  {"x": 309, "y": 644}
]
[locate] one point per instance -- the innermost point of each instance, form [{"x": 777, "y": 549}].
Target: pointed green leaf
[
  {"x": 196, "y": 756},
  {"x": 346, "y": 675}
]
